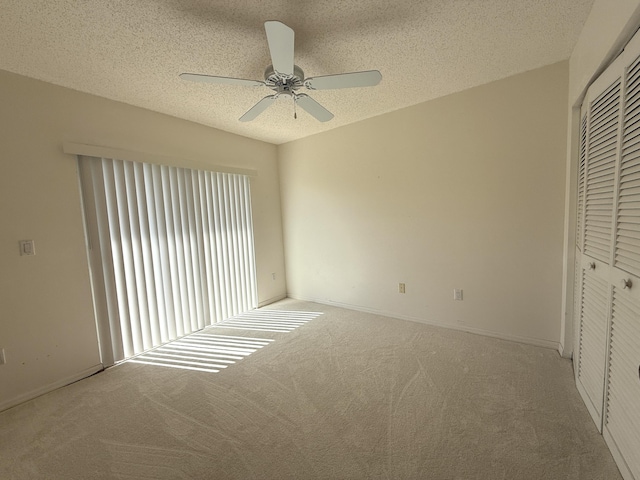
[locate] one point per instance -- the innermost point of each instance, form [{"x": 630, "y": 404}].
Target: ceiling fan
[{"x": 286, "y": 78}]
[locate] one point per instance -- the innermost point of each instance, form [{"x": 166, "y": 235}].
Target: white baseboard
[
  {"x": 271, "y": 300},
  {"x": 565, "y": 352},
  {"x": 464, "y": 328},
  {"x": 12, "y": 402}
]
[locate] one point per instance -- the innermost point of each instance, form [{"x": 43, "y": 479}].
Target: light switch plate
[{"x": 27, "y": 247}]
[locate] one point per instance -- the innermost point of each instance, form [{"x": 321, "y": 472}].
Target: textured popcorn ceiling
[{"x": 133, "y": 51}]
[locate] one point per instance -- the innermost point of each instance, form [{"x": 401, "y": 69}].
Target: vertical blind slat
[
  {"x": 233, "y": 253},
  {"x": 186, "y": 270},
  {"x": 245, "y": 241},
  {"x": 144, "y": 219},
  {"x": 111, "y": 296},
  {"x": 201, "y": 278},
  {"x": 165, "y": 299},
  {"x": 144, "y": 264},
  {"x": 221, "y": 226},
  {"x": 173, "y": 294},
  {"x": 113, "y": 227},
  {"x": 159, "y": 327},
  {"x": 253, "y": 284},
  {"x": 248, "y": 246},
  {"x": 212, "y": 247},
  {"x": 217, "y": 251},
  {"x": 183, "y": 326},
  {"x": 131, "y": 246},
  {"x": 194, "y": 223},
  {"x": 237, "y": 242},
  {"x": 240, "y": 247},
  {"x": 205, "y": 253},
  {"x": 233, "y": 243}
]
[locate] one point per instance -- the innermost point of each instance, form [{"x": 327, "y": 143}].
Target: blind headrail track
[{"x": 97, "y": 151}]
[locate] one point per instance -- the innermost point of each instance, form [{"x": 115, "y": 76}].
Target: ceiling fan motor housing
[{"x": 284, "y": 84}]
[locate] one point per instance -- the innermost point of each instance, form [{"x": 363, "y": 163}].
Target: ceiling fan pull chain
[{"x": 295, "y": 104}]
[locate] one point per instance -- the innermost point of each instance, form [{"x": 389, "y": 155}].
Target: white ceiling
[{"x": 133, "y": 51}]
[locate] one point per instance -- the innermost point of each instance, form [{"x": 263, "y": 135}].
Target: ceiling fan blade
[
  {"x": 281, "y": 40},
  {"x": 313, "y": 108},
  {"x": 344, "y": 80},
  {"x": 195, "y": 77},
  {"x": 258, "y": 108}
]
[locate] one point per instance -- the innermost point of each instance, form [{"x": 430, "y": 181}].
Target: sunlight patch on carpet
[
  {"x": 202, "y": 352},
  {"x": 207, "y": 352},
  {"x": 279, "y": 321}
]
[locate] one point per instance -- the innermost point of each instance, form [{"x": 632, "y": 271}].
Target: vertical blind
[{"x": 171, "y": 251}]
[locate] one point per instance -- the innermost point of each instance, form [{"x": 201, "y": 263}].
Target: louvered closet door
[
  {"x": 600, "y": 133},
  {"x": 608, "y": 249},
  {"x": 622, "y": 403},
  {"x": 622, "y": 416}
]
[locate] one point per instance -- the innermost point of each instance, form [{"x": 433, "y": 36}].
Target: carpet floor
[{"x": 341, "y": 395}]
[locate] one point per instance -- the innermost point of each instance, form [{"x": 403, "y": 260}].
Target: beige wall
[
  {"x": 47, "y": 327},
  {"x": 466, "y": 191},
  {"x": 608, "y": 28}
]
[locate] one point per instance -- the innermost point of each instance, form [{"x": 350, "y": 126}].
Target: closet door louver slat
[
  {"x": 601, "y": 147},
  {"x": 622, "y": 418}
]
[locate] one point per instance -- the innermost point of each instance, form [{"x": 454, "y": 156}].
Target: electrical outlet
[
  {"x": 457, "y": 294},
  {"x": 3, "y": 359},
  {"x": 401, "y": 288},
  {"x": 273, "y": 276}
]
